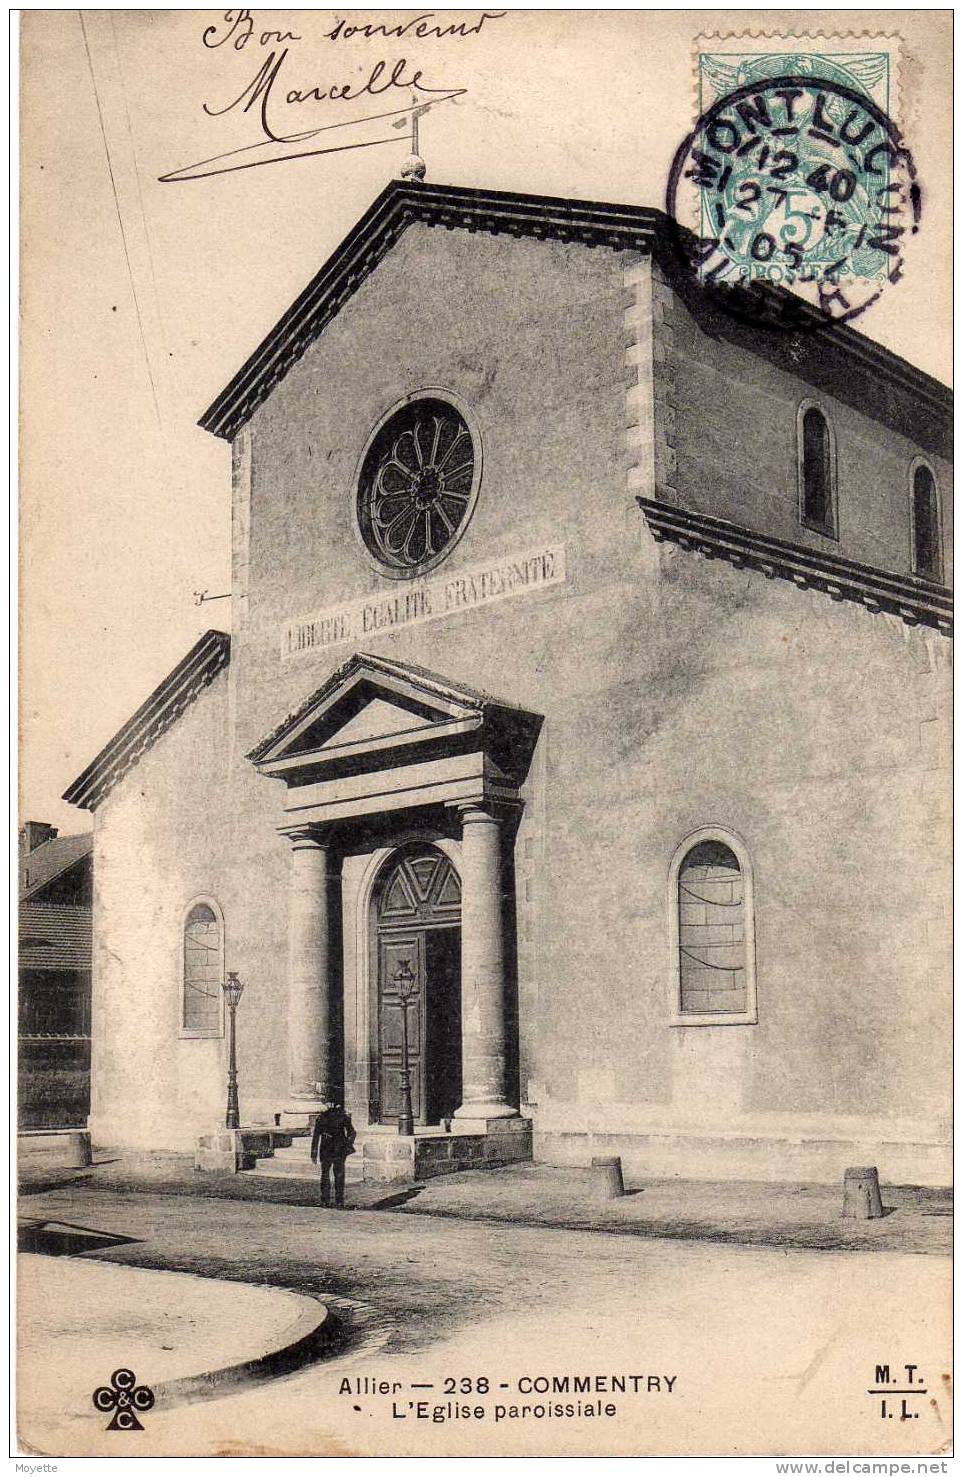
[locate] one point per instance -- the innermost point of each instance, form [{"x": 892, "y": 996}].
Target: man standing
[{"x": 331, "y": 1143}]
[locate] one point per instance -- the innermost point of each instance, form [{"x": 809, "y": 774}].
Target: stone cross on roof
[{"x": 414, "y": 167}]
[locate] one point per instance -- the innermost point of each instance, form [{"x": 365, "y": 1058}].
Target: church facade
[{"x": 581, "y": 740}]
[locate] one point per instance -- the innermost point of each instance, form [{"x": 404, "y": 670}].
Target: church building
[{"x": 580, "y": 746}]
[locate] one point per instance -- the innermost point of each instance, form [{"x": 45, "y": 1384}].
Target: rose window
[{"x": 417, "y": 486}]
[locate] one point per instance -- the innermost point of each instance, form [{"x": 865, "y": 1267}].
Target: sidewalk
[
  {"x": 747, "y": 1212},
  {"x": 181, "y": 1335},
  {"x": 750, "y": 1213}
]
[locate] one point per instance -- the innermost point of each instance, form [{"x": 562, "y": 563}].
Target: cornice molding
[
  {"x": 153, "y": 718},
  {"x": 497, "y": 212},
  {"x": 915, "y": 601}
]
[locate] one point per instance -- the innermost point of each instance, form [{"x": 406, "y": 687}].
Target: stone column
[
  {"x": 309, "y": 975},
  {"x": 482, "y": 968}
]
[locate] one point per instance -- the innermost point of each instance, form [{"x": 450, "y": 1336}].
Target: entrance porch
[{"x": 402, "y": 799}]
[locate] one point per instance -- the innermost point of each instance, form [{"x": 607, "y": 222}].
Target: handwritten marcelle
[{"x": 262, "y": 87}]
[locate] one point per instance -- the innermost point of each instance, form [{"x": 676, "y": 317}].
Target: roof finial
[{"x": 414, "y": 167}]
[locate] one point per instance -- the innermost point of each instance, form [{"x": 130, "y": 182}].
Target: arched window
[
  {"x": 817, "y": 471},
  {"x": 711, "y": 932},
  {"x": 203, "y": 957},
  {"x": 927, "y": 560}
]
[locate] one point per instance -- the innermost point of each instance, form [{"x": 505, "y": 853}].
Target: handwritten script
[{"x": 276, "y": 104}]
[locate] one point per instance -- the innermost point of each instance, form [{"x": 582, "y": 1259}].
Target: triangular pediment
[
  {"x": 377, "y": 719},
  {"x": 369, "y": 705}
]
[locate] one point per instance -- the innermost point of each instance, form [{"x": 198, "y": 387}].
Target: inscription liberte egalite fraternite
[{"x": 424, "y": 600}]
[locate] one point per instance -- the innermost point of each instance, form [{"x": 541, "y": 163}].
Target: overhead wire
[
  {"x": 120, "y": 222},
  {"x": 140, "y": 193}
]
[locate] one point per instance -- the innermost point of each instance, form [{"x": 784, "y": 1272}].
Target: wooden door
[
  {"x": 418, "y": 917},
  {"x": 394, "y": 950}
]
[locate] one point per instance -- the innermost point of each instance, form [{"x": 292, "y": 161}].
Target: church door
[{"x": 418, "y": 925}]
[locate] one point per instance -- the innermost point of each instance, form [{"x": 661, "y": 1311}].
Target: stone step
[
  {"x": 306, "y": 1171},
  {"x": 295, "y": 1162},
  {"x": 383, "y": 1156}
]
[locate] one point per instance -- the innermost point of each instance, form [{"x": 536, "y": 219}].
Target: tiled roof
[
  {"x": 167, "y": 702},
  {"x": 50, "y": 860},
  {"x": 54, "y": 936}
]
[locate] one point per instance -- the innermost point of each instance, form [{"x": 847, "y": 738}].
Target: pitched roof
[
  {"x": 51, "y": 859},
  {"x": 167, "y": 702},
  {"x": 364, "y": 662},
  {"x": 499, "y": 212},
  {"x": 53, "y": 936},
  {"x": 400, "y": 203}
]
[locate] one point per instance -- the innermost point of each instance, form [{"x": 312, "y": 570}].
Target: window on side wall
[
  {"x": 203, "y": 970},
  {"x": 711, "y": 929},
  {"x": 817, "y": 471},
  {"x": 925, "y": 516}
]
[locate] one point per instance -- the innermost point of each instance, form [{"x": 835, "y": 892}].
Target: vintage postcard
[{"x": 484, "y": 893}]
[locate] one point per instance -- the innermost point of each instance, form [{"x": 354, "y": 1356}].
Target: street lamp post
[
  {"x": 232, "y": 988},
  {"x": 405, "y": 983}
]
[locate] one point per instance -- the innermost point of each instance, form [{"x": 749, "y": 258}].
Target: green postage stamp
[{"x": 796, "y": 174}]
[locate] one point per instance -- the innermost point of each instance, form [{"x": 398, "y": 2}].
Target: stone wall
[
  {"x": 819, "y": 734},
  {"x": 173, "y": 831}
]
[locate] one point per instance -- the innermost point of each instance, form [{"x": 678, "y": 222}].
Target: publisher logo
[{"x": 125, "y": 1398}]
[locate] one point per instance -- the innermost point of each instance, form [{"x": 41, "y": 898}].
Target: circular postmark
[{"x": 794, "y": 183}]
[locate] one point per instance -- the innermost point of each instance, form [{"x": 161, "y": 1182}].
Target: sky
[{"x": 141, "y": 298}]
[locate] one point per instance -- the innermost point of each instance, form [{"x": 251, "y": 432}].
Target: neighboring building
[
  {"x": 54, "y": 978},
  {"x": 589, "y": 682}
]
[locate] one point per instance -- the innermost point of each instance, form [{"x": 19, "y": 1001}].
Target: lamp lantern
[
  {"x": 233, "y": 988},
  {"x": 405, "y": 982}
]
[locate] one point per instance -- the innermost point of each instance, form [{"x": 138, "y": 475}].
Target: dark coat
[{"x": 333, "y": 1136}]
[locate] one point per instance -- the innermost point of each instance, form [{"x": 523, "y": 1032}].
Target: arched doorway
[{"x": 417, "y": 919}]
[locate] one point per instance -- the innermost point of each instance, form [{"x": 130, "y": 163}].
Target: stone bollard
[
  {"x": 607, "y": 1176},
  {"x": 861, "y": 1198}
]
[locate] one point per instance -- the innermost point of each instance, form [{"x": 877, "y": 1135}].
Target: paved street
[{"x": 767, "y": 1349}]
